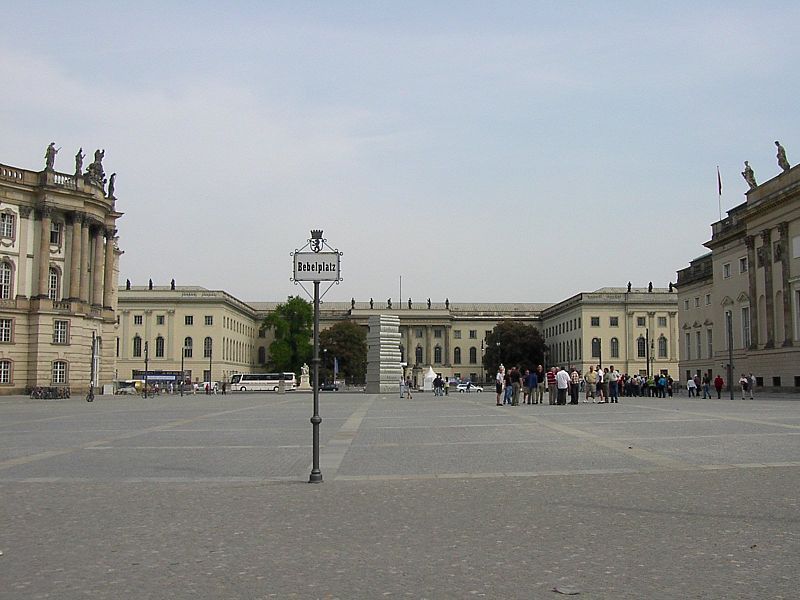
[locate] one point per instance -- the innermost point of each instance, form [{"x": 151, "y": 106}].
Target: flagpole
[{"x": 719, "y": 192}]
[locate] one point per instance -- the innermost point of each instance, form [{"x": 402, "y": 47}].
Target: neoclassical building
[
  {"x": 739, "y": 305},
  {"x": 58, "y": 273}
]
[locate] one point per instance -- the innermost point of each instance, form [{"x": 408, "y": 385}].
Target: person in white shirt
[{"x": 562, "y": 384}]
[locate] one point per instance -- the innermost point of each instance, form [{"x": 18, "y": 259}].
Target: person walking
[
  {"x": 599, "y": 385},
  {"x": 744, "y": 383},
  {"x": 533, "y": 384},
  {"x": 613, "y": 385},
  {"x": 409, "y": 396},
  {"x": 574, "y": 386},
  {"x": 718, "y": 383},
  {"x": 691, "y": 387},
  {"x": 752, "y": 385},
  {"x": 541, "y": 379},
  {"x": 498, "y": 385},
  {"x": 706, "y": 386}
]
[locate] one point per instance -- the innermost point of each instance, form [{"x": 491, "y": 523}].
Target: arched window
[
  {"x": 473, "y": 356},
  {"x": 614, "y": 348},
  {"x": 187, "y": 347},
  {"x": 137, "y": 346},
  {"x": 6, "y": 277},
  {"x": 437, "y": 355},
  {"x": 641, "y": 347},
  {"x": 418, "y": 355},
  {"x": 59, "y": 371},
  {"x": 262, "y": 355},
  {"x": 207, "y": 347},
  {"x": 662, "y": 347},
  {"x": 595, "y": 347},
  {"x": 159, "y": 347},
  {"x": 53, "y": 280},
  {"x": 457, "y": 355}
]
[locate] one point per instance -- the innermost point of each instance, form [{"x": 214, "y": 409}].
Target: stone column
[
  {"x": 97, "y": 268},
  {"x": 410, "y": 349},
  {"x": 766, "y": 262},
  {"x": 383, "y": 355},
  {"x": 446, "y": 332},
  {"x": 75, "y": 257},
  {"x": 22, "y": 269},
  {"x": 752, "y": 289},
  {"x": 674, "y": 332},
  {"x": 84, "y": 284},
  {"x": 428, "y": 345},
  {"x": 108, "y": 270},
  {"x": 784, "y": 257},
  {"x": 44, "y": 252}
]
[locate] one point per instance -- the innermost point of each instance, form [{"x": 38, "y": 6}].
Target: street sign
[{"x": 316, "y": 266}]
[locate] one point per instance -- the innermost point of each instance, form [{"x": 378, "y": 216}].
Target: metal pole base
[{"x": 315, "y": 477}]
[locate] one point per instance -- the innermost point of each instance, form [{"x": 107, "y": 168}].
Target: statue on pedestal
[
  {"x": 429, "y": 303},
  {"x": 782, "y": 162},
  {"x": 409, "y": 303},
  {"x": 749, "y": 176},
  {"x": 50, "y": 155},
  {"x": 79, "y": 162},
  {"x": 111, "y": 185},
  {"x": 389, "y": 303}
]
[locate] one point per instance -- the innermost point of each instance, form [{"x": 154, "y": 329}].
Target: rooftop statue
[
  {"x": 749, "y": 176},
  {"x": 50, "y": 155},
  {"x": 111, "y": 185},
  {"x": 782, "y": 162},
  {"x": 409, "y": 303},
  {"x": 79, "y": 161}
]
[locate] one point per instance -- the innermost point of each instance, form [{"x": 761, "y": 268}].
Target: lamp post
[
  {"x": 729, "y": 327},
  {"x": 210, "y": 379},
  {"x": 598, "y": 343},
  {"x": 325, "y": 363},
  {"x": 92, "y": 370},
  {"x": 183, "y": 371},
  {"x": 146, "y": 360}
]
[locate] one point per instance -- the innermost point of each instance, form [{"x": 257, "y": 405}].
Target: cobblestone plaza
[{"x": 206, "y": 497}]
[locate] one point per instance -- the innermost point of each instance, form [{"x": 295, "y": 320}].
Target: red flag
[{"x": 719, "y": 182}]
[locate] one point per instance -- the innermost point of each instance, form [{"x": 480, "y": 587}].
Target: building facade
[
  {"x": 740, "y": 306},
  {"x": 59, "y": 266}
]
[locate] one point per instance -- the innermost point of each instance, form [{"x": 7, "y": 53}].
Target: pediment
[
  {"x": 727, "y": 301},
  {"x": 743, "y": 298},
  {"x": 708, "y": 322}
]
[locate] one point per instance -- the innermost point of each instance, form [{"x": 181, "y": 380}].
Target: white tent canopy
[{"x": 427, "y": 382}]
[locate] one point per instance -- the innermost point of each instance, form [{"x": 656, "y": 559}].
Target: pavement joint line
[
  {"x": 24, "y": 460},
  {"x": 336, "y": 448},
  {"x": 725, "y": 417},
  {"x": 611, "y": 444}
]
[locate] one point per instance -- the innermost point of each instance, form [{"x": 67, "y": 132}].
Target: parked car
[
  {"x": 468, "y": 387},
  {"x": 329, "y": 387}
]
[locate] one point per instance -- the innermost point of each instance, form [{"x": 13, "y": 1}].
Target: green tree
[
  {"x": 347, "y": 343},
  {"x": 293, "y": 324},
  {"x": 513, "y": 343}
]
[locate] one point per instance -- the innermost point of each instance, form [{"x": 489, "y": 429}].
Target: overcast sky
[{"x": 484, "y": 151}]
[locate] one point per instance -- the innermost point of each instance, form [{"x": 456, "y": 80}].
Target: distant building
[
  {"x": 58, "y": 276},
  {"x": 742, "y": 301}
]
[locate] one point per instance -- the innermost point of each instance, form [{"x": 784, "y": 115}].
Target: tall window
[
  {"x": 473, "y": 356},
  {"x": 137, "y": 346},
  {"x": 596, "y": 347},
  {"x": 52, "y": 284},
  {"x": 207, "y": 347},
  {"x": 662, "y": 347},
  {"x": 59, "y": 371},
  {"x": 5, "y": 280},
  {"x": 746, "y": 326},
  {"x": 5, "y": 330},
  {"x": 641, "y": 347},
  {"x": 60, "y": 332},
  {"x": 187, "y": 347},
  {"x": 457, "y": 356},
  {"x": 5, "y": 371},
  {"x": 699, "y": 345},
  {"x": 437, "y": 355},
  {"x": 7, "y": 225},
  {"x": 710, "y": 342},
  {"x": 262, "y": 355},
  {"x": 159, "y": 347},
  {"x": 55, "y": 234},
  {"x": 688, "y": 346},
  {"x": 418, "y": 355},
  {"x": 614, "y": 348}
]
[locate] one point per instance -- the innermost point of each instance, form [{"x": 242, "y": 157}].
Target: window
[
  {"x": 746, "y": 326},
  {"x": 59, "y": 371},
  {"x": 688, "y": 346},
  {"x": 187, "y": 347},
  {"x": 437, "y": 333},
  {"x": 697, "y": 301},
  {"x": 640, "y": 321},
  {"x": 159, "y": 347},
  {"x": 55, "y": 234},
  {"x": 743, "y": 265},
  {"x": 641, "y": 347},
  {"x": 595, "y": 347},
  {"x": 796, "y": 246},
  {"x": 137, "y": 346},
  {"x": 60, "y": 332},
  {"x": 5, "y": 280},
  {"x": 473, "y": 334},
  {"x": 662, "y": 347},
  {"x": 418, "y": 332},
  {"x": 614, "y": 348},
  {"x": 473, "y": 356},
  {"x": 437, "y": 355},
  {"x": 209, "y": 319},
  {"x": 456, "y": 334},
  {"x": 726, "y": 270},
  {"x": 699, "y": 346},
  {"x": 7, "y": 225},
  {"x": 457, "y": 356},
  {"x": 5, "y": 330},
  {"x": 613, "y": 321},
  {"x": 137, "y": 319},
  {"x": 262, "y": 355},
  {"x": 53, "y": 278},
  {"x": 595, "y": 321},
  {"x": 188, "y": 320},
  {"x": 662, "y": 321},
  {"x": 207, "y": 347},
  {"x": 686, "y": 305},
  {"x": 710, "y": 343},
  {"x": 708, "y": 299},
  {"x": 418, "y": 355},
  {"x": 5, "y": 371},
  {"x": 159, "y": 319}
]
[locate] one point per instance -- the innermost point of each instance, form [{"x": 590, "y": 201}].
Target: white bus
[{"x": 263, "y": 382}]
